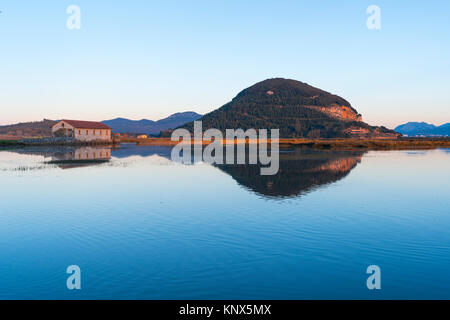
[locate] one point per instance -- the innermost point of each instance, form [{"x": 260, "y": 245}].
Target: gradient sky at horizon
[{"x": 149, "y": 59}]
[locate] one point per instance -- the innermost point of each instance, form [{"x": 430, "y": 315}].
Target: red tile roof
[{"x": 79, "y": 124}]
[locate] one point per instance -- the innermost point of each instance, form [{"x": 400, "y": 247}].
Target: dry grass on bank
[{"x": 419, "y": 143}]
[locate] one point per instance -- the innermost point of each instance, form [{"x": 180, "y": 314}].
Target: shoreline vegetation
[
  {"x": 343, "y": 143},
  {"x": 38, "y": 142}
]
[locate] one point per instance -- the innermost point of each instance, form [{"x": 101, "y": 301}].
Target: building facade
[{"x": 82, "y": 130}]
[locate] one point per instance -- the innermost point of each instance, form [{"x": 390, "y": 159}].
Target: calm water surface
[{"x": 140, "y": 226}]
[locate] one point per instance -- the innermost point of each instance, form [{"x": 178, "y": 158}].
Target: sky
[{"x": 149, "y": 59}]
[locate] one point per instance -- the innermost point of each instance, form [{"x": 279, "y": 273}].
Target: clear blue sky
[{"x": 148, "y": 59}]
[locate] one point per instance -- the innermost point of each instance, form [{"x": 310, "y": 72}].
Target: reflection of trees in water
[{"x": 301, "y": 170}]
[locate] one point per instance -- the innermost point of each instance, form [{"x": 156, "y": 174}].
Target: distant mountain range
[
  {"x": 416, "y": 129},
  {"x": 295, "y": 108},
  {"x": 28, "y": 129},
  {"x": 120, "y": 125},
  {"x": 144, "y": 126}
]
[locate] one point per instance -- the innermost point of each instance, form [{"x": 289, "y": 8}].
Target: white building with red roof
[{"x": 82, "y": 130}]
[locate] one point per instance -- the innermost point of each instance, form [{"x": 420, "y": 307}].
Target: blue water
[{"x": 142, "y": 227}]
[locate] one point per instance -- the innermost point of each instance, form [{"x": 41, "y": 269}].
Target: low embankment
[
  {"x": 53, "y": 141},
  {"x": 7, "y": 143},
  {"x": 373, "y": 144}
]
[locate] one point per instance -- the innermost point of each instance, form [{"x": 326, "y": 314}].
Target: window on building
[{"x": 87, "y": 132}]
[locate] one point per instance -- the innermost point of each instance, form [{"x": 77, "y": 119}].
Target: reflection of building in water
[
  {"x": 301, "y": 169},
  {"x": 81, "y": 157},
  {"x": 80, "y": 154},
  {"x": 69, "y": 156},
  {"x": 92, "y": 154}
]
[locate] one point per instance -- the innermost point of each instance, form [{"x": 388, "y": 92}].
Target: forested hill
[
  {"x": 29, "y": 129},
  {"x": 294, "y": 107}
]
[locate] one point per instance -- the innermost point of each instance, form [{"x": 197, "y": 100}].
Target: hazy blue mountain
[
  {"x": 122, "y": 125},
  {"x": 443, "y": 130},
  {"x": 144, "y": 126},
  {"x": 178, "y": 119},
  {"x": 413, "y": 129}
]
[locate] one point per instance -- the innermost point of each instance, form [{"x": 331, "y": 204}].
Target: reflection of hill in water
[{"x": 301, "y": 170}]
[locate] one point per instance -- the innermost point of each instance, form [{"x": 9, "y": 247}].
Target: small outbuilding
[{"x": 82, "y": 130}]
